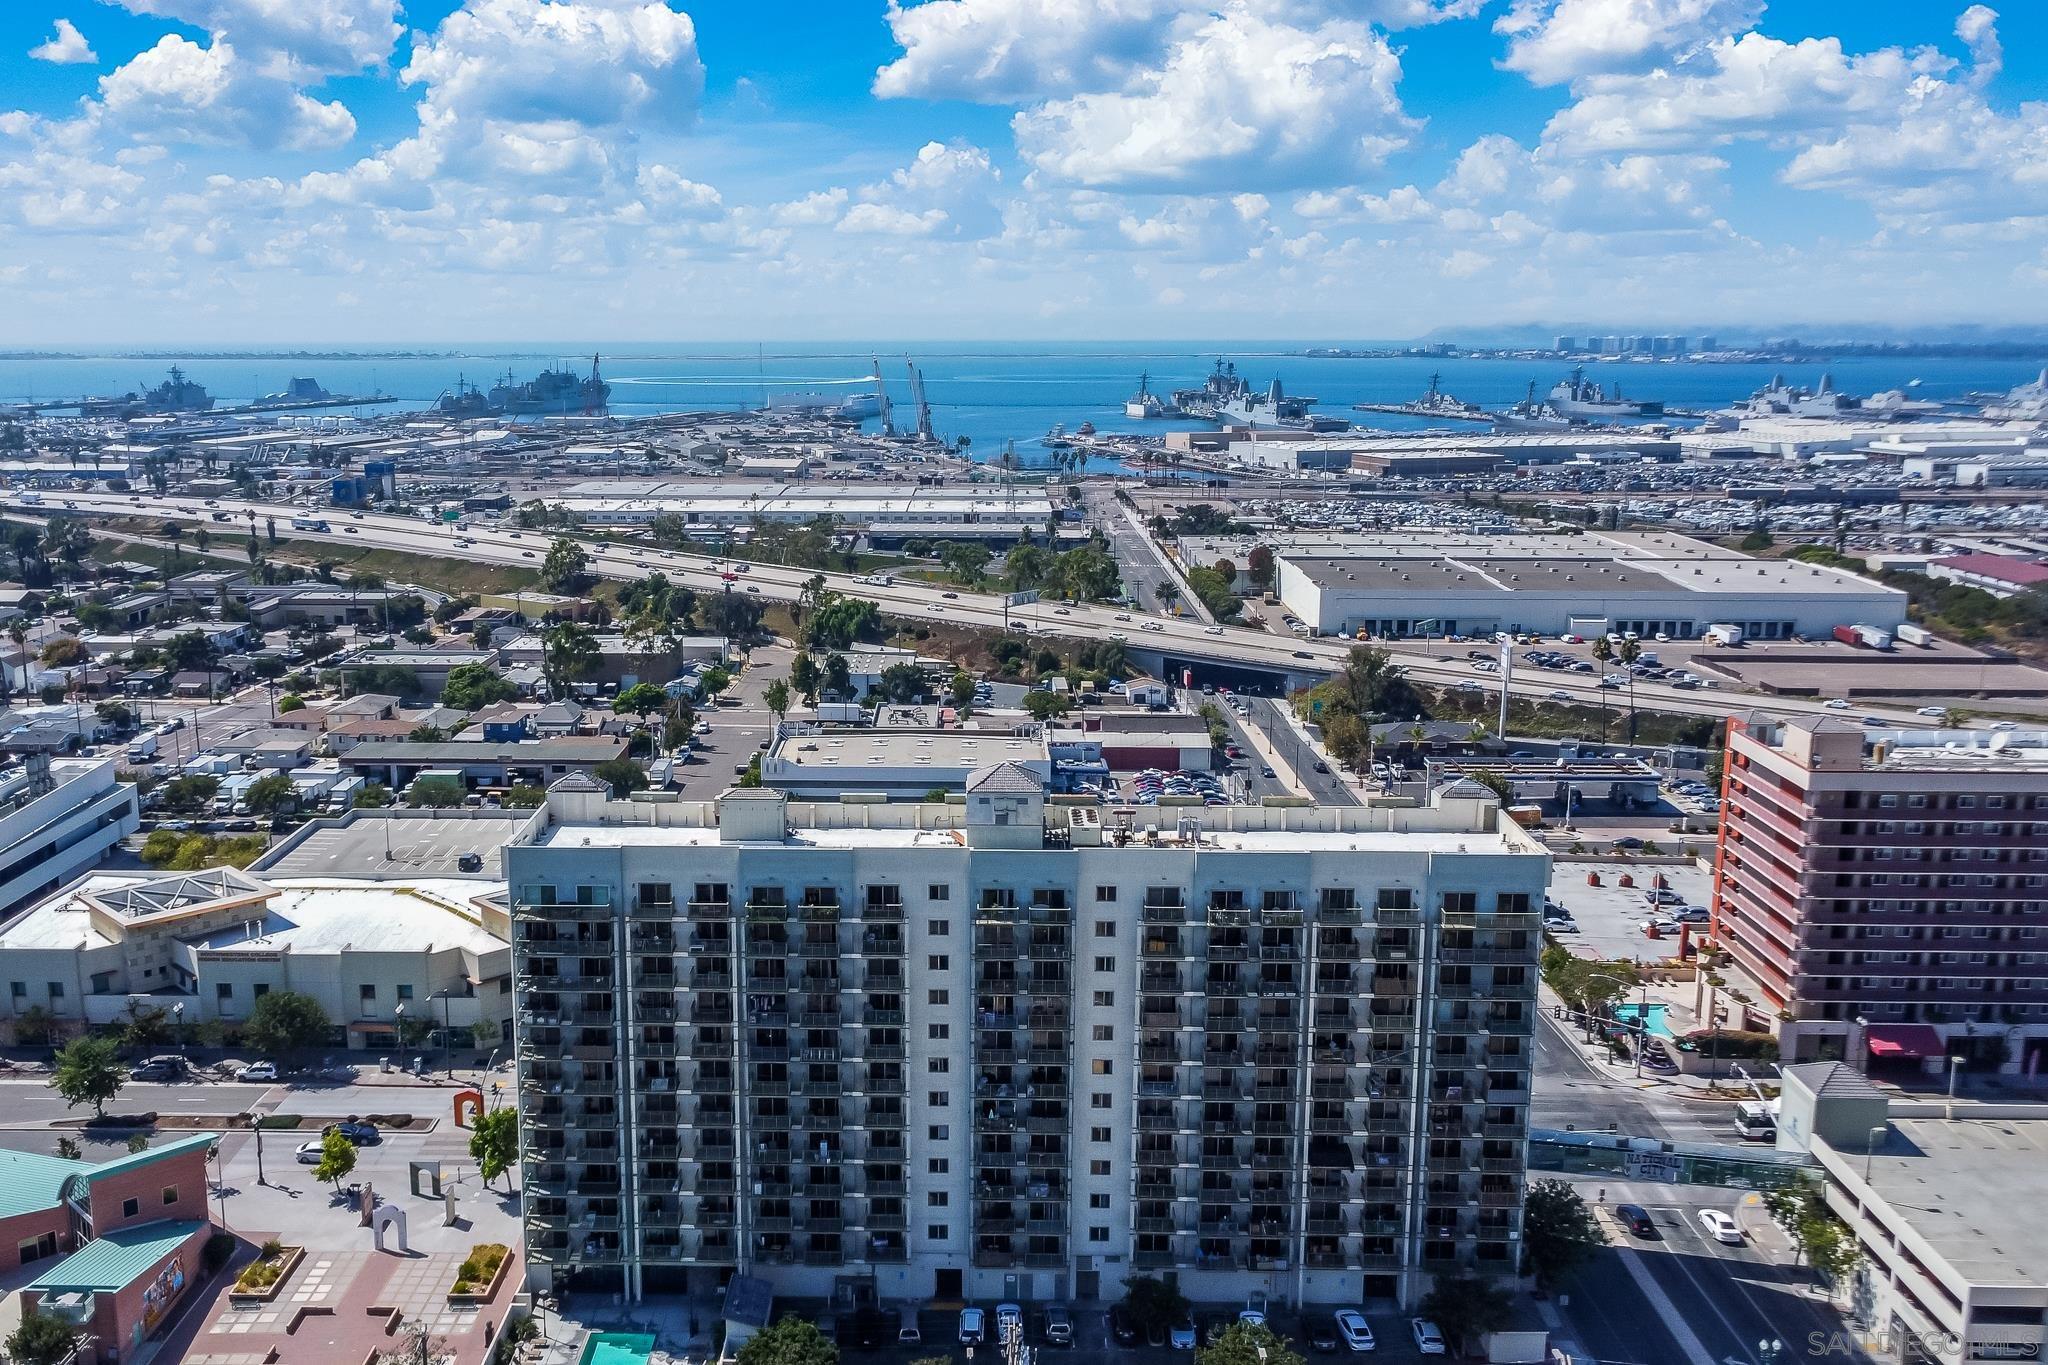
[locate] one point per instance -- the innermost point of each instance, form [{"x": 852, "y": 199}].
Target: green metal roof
[
  {"x": 30, "y": 1181},
  {"x": 116, "y": 1260},
  {"x": 135, "y": 1161}
]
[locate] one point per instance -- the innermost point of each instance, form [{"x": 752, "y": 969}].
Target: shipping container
[
  {"x": 1915, "y": 635},
  {"x": 1872, "y": 637},
  {"x": 1847, "y": 635},
  {"x": 1724, "y": 633}
]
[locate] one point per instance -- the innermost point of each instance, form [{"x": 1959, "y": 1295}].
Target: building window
[
  {"x": 1098, "y": 1168},
  {"x": 1100, "y": 1066},
  {"x": 1098, "y": 1201},
  {"x": 1104, "y": 895},
  {"x": 939, "y": 928},
  {"x": 1098, "y": 1099},
  {"x": 938, "y": 1033},
  {"x": 130, "y": 1207},
  {"x": 937, "y": 962},
  {"x": 1105, "y": 1033},
  {"x": 938, "y": 1165},
  {"x": 404, "y": 990},
  {"x": 1098, "y": 1234},
  {"x": 936, "y": 997},
  {"x": 1105, "y": 928},
  {"x": 1105, "y": 964},
  {"x": 1098, "y": 1135},
  {"x": 935, "y": 1232},
  {"x": 938, "y": 1066},
  {"x": 367, "y": 994},
  {"x": 18, "y": 989},
  {"x": 56, "y": 989},
  {"x": 935, "y": 1199},
  {"x": 170, "y": 1194},
  {"x": 938, "y": 891},
  {"x": 939, "y": 1099},
  {"x": 938, "y": 1132},
  {"x": 223, "y": 990},
  {"x": 1105, "y": 1000}
]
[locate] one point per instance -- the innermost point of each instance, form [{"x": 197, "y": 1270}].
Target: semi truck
[
  {"x": 308, "y": 524},
  {"x": 1915, "y": 635},
  {"x": 1864, "y": 637},
  {"x": 1724, "y": 633}
]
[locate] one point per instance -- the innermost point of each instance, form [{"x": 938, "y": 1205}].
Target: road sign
[{"x": 1020, "y": 599}]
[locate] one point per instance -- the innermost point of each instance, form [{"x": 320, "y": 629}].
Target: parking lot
[
  {"x": 1610, "y": 915},
  {"x": 1094, "y": 1345}
]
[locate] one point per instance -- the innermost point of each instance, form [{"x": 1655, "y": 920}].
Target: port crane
[
  {"x": 924, "y": 409},
  {"x": 882, "y": 400}
]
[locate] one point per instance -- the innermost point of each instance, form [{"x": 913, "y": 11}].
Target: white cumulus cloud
[
  {"x": 1557, "y": 41},
  {"x": 66, "y": 47},
  {"x": 1240, "y": 102},
  {"x": 180, "y": 91},
  {"x": 889, "y": 221},
  {"x": 291, "y": 39}
]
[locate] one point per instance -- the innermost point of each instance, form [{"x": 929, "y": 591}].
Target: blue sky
[{"x": 348, "y": 171}]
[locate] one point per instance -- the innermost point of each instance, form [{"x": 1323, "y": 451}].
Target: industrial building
[
  {"x": 1021, "y": 1048},
  {"x": 1587, "y": 585},
  {"x": 1883, "y": 890},
  {"x": 712, "y": 509}
]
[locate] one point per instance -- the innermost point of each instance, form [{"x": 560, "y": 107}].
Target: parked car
[
  {"x": 1429, "y": 1338},
  {"x": 1721, "y": 1227},
  {"x": 258, "y": 1071},
  {"x": 1322, "y": 1333},
  {"x": 1059, "y": 1327},
  {"x": 1009, "y": 1318},
  {"x": 1182, "y": 1336},
  {"x": 158, "y": 1069},
  {"x": 1636, "y": 1219},
  {"x": 1355, "y": 1330},
  {"x": 972, "y": 1329},
  {"x": 361, "y": 1134},
  {"x": 1121, "y": 1329}
]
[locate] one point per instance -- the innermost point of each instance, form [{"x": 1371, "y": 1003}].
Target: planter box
[
  {"x": 247, "y": 1298},
  {"x": 478, "y": 1298}
]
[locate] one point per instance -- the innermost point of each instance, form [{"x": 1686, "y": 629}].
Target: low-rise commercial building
[
  {"x": 58, "y": 817},
  {"x": 534, "y": 763},
  {"x": 371, "y": 917},
  {"x": 1945, "y": 1212},
  {"x": 1885, "y": 890},
  {"x": 622, "y": 662},
  {"x": 813, "y": 762}
]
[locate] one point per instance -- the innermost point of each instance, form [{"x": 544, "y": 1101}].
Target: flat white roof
[{"x": 1973, "y": 1189}]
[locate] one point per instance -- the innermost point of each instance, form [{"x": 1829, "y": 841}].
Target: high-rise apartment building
[
  {"x": 1023, "y": 1048},
  {"x": 1889, "y": 892}
]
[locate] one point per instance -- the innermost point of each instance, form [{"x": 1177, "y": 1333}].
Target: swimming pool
[
  {"x": 618, "y": 1348},
  {"x": 1655, "y": 1023}
]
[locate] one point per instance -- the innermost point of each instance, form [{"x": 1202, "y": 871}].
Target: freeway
[{"x": 1174, "y": 639}]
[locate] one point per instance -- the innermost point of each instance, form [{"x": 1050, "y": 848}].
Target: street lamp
[
  {"x": 398, "y": 1031},
  {"x": 178, "y": 1026}
]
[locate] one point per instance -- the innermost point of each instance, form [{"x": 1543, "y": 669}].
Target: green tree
[
  {"x": 337, "y": 1157},
  {"x": 776, "y": 696},
  {"x": 290, "y": 702},
  {"x": 89, "y": 1072},
  {"x": 1758, "y": 540},
  {"x": 1153, "y": 1304},
  {"x": 373, "y": 796},
  {"x": 791, "y": 1341},
  {"x": 1466, "y": 1307},
  {"x": 524, "y": 796},
  {"x": 42, "y": 1339},
  {"x": 1259, "y": 566},
  {"x": 282, "y": 1023},
  {"x": 271, "y": 794},
  {"x": 566, "y": 568},
  {"x": 714, "y": 680},
  {"x": 1246, "y": 1344},
  {"x": 1823, "y": 1239},
  {"x": 1044, "y": 705},
  {"x": 902, "y": 683},
  {"x": 966, "y": 559},
  {"x": 803, "y": 676},
  {"x": 837, "y": 677},
  {"x": 191, "y": 792},
  {"x": 1558, "y": 1230},
  {"x": 472, "y": 687},
  {"x": 494, "y": 1143},
  {"x": 960, "y": 689},
  {"x": 1603, "y": 649},
  {"x": 642, "y": 700},
  {"x": 569, "y": 654},
  {"x": 731, "y": 614},
  {"x": 622, "y": 775},
  {"x": 436, "y": 792}
]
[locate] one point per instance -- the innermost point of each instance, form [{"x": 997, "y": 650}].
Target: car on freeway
[
  {"x": 1836, "y": 703},
  {"x": 526, "y": 554},
  {"x": 1429, "y": 1338},
  {"x": 1151, "y": 625},
  {"x": 1934, "y": 711},
  {"x": 1875, "y": 721},
  {"x": 1061, "y": 611},
  {"x": 307, "y": 1153},
  {"x": 1636, "y": 1219},
  {"x": 258, "y": 1071},
  {"x": 1559, "y": 694},
  {"x": 1721, "y": 1227},
  {"x": 1212, "y": 630},
  {"x": 1121, "y": 616},
  {"x": 972, "y": 1331},
  {"x": 1355, "y": 1330},
  {"x": 753, "y": 587},
  {"x": 950, "y": 596},
  {"x": 1303, "y": 654},
  {"x": 1118, "y": 635}
]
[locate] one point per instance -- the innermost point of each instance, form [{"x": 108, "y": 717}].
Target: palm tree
[
  {"x": 1603, "y": 648},
  {"x": 1631, "y": 650}
]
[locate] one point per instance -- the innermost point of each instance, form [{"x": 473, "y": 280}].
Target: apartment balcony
[{"x": 882, "y": 911}]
